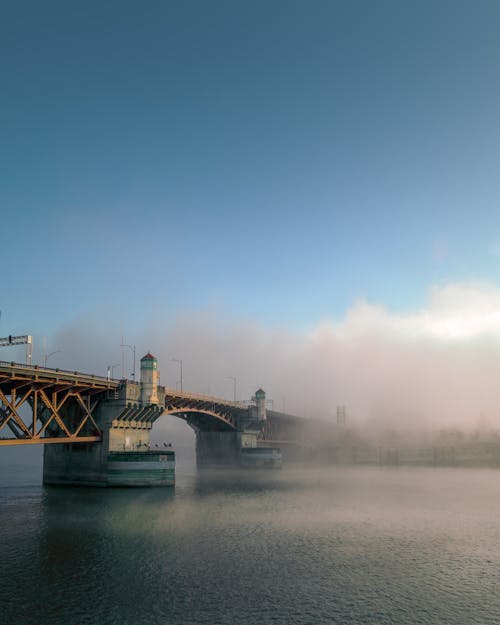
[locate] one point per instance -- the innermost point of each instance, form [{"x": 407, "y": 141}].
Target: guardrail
[
  {"x": 243, "y": 404},
  {"x": 40, "y": 369},
  {"x": 206, "y": 398}
]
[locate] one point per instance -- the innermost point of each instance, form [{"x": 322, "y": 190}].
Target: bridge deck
[
  {"x": 42, "y": 405},
  {"x": 61, "y": 404},
  {"x": 12, "y": 372}
]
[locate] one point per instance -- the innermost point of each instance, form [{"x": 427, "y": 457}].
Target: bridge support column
[
  {"x": 77, "y": 464},
  {"x": 217, "y": 449},
  {"x": 122, "y": 458}
]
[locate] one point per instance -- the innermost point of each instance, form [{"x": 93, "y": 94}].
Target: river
[{"x": 301, "y": 545}]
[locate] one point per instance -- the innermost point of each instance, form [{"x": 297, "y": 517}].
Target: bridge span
[
  {"x": 81, "y": 419},
  {"x": 40, "y": 405}
]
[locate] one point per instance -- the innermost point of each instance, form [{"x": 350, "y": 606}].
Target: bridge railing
[
  {"x": 207, "y": 398},
  {"x": 40, "y": 369}
]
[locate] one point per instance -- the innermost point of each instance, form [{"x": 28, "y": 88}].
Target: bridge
[
  {"x": 81, "y": 419},
  {"x": 58, "y": 404}
]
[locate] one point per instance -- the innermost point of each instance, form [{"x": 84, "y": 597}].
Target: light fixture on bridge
[
  {"x": 132, "y": 348},
  {"x": 47, "y": 356},
  {"x": 111, "y": 368},
  {"x": 233, "y": 378},
  {"x": 178, "y": 360}
]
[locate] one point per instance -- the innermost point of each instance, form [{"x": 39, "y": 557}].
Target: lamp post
[
  {"x": 132, "y": 348},
  {"x": 233, "y": 378},
  {"x": 111, "y": 368},
  {"x": 47, "y": 356},
  {"x": 180, "y": 363}
]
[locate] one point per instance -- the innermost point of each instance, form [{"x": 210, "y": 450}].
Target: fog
[{"x": 426, "y": 369}]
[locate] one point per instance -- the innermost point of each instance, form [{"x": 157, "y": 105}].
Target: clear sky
[{"x": 270, "y": 160}]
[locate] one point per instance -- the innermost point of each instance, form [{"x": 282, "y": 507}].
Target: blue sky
[{"x": 274, "y": 161}]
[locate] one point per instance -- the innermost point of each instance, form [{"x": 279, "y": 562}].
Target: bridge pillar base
[
  {"x": 217, "y": 449},
  {"x": 123, "y": 458},
  {"x": 78, "y": 464}
]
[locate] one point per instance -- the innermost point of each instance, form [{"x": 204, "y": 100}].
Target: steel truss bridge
[
  {"x": 39, "y": 405},
  {"x": 42, "y": 405}
]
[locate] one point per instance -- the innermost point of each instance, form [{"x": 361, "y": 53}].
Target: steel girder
[
  {"x": 48, "y": 406},
  {"x": 191, "y": 407}
]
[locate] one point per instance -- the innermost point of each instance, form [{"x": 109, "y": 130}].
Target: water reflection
[{"x": 291, "y": 546}]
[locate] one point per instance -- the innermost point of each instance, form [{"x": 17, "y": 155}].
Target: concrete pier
[
  {"x": 215, "y": 449},
  {"x": 93, "y": 427},
  {"x": 125, "y": 418}
]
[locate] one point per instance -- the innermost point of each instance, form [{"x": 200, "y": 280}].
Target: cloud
[
  {"x": 453, "y": 313},
  {"x": 435, "y": 367}
]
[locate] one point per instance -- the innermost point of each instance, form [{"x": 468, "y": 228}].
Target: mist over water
[
  {"x": 374, "y": 546},
  {"x": 418, "y": 371},
  {"x": 296, "y": 196},
  {"x": 335, "y": 544}
]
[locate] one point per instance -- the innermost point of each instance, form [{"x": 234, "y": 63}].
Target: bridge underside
[
  {"x": 109, "y": 417},
  {"x": 217, "y": 439},
  {"x": 46, "y": 406},
  {"x": 205, "y": 421}
]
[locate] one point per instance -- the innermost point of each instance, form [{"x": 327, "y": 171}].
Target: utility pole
[
  {"x": 233, "y": 378},
  {"x": 178, "y": 360},
  {"x": 47, "y": 356},
  {"x": 111, "y": 368},
  {"x": 341, "y": 415},
  {"x": 132, "y": 348}
]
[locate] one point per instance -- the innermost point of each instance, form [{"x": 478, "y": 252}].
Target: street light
[
  {"x": 180, "y": 363},
  {"x": 132, "y": 348},
  {"x": 47, "y": 356},
  {"x": 232, "y": 377},
  {"x": 111, "y": 368}
]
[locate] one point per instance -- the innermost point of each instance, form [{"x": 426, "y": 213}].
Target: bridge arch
[
  {"x": 204, "y": 420},
  {"x": 212, "y": 436}
]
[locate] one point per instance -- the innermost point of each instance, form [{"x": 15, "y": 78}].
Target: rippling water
[{"x": 307, "y": 546}]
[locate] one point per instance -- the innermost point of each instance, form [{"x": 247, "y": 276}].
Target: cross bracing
[
  {"x": 43, "y": 405},
  {"x": 39, "y": 405}
]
